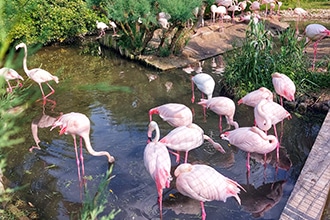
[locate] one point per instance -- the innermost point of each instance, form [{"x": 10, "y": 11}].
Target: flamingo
[
  {"x": 251, "y": 140},
  {"x": 254, "y": 97},
  {"x": 221, "y": 106},
  {"x": 163, "y": 19},
  {"x": 284, "y": 86},
  {"x": 175, "y": 114},
  {"x": 186, "y": 138},
  {"x": 213, "y": 9},
  {"x": 222, "y": 11},
  {"x": 102, "y": 27},
  {"x": 266, "y": 2},
  {"x": 157, "y": 162},
  {"x": 267, "y": 114},
  {"x": 315, "y": 32},
  {"x": 204, "y": 183},
  {"x": 114, "y": 26},
  {"x": 233, "y": 8},
  {"x": 38, "y": 75},
  {"x": 255, "y": 6},
  {"x": 205, "y": 83},
  {"x": 78, "y": 124},
  {"x": 299, "y": 12},
  {"x": 279, "y": 4},
  {"x": 10, "y": 74}
]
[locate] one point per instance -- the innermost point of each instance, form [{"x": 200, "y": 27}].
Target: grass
[{"x": 250, "y": 67}]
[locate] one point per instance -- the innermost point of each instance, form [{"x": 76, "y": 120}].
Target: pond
[{"x": 116, "y": 95}]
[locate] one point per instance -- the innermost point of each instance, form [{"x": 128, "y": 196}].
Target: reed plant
[{"x": 249, "y": 67}]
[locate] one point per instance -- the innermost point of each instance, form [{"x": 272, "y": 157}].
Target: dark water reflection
[{"x": 116, "y": 95}]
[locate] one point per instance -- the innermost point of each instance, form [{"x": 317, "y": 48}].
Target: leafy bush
[{"x": 40, "y": 21}]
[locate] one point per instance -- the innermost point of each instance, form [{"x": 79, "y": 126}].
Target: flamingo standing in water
[
  {"x": 315, "y": 32},
  {"x": 205, "y": 83},
  {"x": 173, "y": 113},
  {"x": 157, "y": 162},
  {"x": 283, "y": 86},
  {"x": 186, "y": 138},
  {"x": 78, "y": 124},
  {"x": 204, "y": 183},
  {"x": 10, "y": 74},
  {"x": 268, "y": 114},
  {"x": 254, "y": 97},
  {"x": 221, "y": 106},
  {"x": 251, "y": 140},
  {"x": 38, "y": 75}
]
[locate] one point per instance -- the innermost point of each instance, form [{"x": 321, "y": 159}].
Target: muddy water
[{"x": 116, "y": 95}]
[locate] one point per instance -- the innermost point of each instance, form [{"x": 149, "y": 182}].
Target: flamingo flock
[
  {"x": 202, "y": 182},
  {"x": 198, "y": 181}
]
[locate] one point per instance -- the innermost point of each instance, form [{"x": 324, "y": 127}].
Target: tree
[{"x": 138, "y": 21}]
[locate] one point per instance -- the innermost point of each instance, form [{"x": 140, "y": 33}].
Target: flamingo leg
[
  {"x": 186, "y": 157},
  {"x": 248, "y": 162},
  {"x": 82, "y": 159},
  {"x": 77, "y": 157},
  {"x": 52, "y": 91},
  {"x": 203, "y": 211},
  {"x": 10, "y": 89},
  {"x": 176, "y": 154},
  {"x": 315, "y": 52},
  {"x": 160, "y": 202},
  {"x": 220, "y": 124},
  {"x": 278, "y": 145},
  {"x": 193, "y": 93}
]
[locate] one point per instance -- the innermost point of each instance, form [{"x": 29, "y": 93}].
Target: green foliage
[
  {"x": 40, "y": 21},
  {"x": 250, "y": 67},
  {"x": 93, "y": 207}
]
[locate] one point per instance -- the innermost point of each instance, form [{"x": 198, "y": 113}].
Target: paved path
[{"x": 309, "y": 196}]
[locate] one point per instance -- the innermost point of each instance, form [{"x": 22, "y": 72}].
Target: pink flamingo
[
  {"x": 315, "y": 32},
  {"x": 204, "y": 183},
  {"x": 254, "y": 7},
  {"x": 78, "y": 124},
  {"x": 283, "y": 86},
  {"x": 299, "y": 12},
  {"x": 38, "y": 75},
  {"x": 205, "y": 83},
  {"x": 10, "y": 74},
  {"x": 251, "y": 140},
  {"x": 267, "y": 114},
  {"x": 157, "y": 162},
  {"x": 102, "y": 27},
  {"x": 186, "y": 138},
  {"x": 221, "y": 106},
  {"x": 254, "y": 97},
  {"x": 222, "y": 11},
  {"x": 173, "y": 113}
]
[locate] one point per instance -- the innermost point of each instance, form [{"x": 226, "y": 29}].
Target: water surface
[{"x": 116, "y": 95}]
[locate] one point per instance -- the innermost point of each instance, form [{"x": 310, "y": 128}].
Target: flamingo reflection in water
[
  {"x": 259, "y": 200},
  {"x": 78, "y": 124}
]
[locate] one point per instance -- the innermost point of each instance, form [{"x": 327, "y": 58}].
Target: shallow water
[{"x": 116, "y": 95}]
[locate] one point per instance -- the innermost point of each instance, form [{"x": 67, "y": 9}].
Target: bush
[{"x": 45, "y": 22}]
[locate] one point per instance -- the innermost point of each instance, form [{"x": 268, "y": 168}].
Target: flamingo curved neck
[
  {"x": 266, "y": 123},
  {"x": 26, "y": 70},
  {"x": 157, "y": 135},
  {"x": 93, "y": 152}
]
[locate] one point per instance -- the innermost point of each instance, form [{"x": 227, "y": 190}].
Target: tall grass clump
[
  {"x": 94, "y": 207},
  {"x": 250, "y": 66}
]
